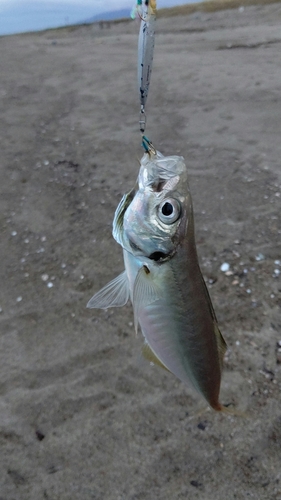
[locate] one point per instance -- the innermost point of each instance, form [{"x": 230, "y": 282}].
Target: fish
[{"x": 154, "y": 224}]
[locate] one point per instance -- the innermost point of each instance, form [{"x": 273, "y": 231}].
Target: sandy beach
[{"x": 82, "y": 415}]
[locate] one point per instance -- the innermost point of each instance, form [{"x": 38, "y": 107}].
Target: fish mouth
[
  {"x": 155, "y": 256},
  {"x": 158, "y": 256}
]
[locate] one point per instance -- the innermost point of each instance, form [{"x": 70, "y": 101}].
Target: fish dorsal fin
[
  {"x": 114, "y": 294},
  {"x": 145, "y": 292},
  {"x": 151, "y": 356}
]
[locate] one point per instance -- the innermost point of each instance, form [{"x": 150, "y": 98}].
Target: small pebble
[
  {"x": 201, "y": 426},
  {"x": 229, "y": 273},
  {"x": 225, "y": 267},
  {"x": 19, "y": 299},
  {"x": 196, "y": 484},
  {"x": 40, "y": 436},
  {"x": 236, "y": 254},
  {"x": 260, "y": 256},
  {"x": 14, "y": 233},
  {"x": 50, "y": 284},
  {"x": 45, "y": 277}
]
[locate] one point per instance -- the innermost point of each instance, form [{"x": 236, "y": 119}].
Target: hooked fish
[{"x": 154, "y": 225}]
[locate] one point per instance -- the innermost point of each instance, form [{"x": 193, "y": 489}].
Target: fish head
[{"x": 153, "y": 219}]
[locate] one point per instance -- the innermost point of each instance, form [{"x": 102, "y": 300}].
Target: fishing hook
[{"x": 148, "y": 146}]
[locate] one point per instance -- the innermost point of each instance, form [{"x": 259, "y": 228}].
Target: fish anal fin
[
  {"x": 148, "y": 354},
  {"x": 114, "y": 294}
]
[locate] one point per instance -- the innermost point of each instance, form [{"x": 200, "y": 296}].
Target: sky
[
  {"x": 18, "y": 16},
  {"x": 96, "y": 5}
]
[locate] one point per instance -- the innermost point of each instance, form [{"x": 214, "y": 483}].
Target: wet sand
[{"x": 83, "y": 416}]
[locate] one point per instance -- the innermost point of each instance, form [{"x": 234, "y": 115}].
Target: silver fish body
[{"x": 154, "y": 225}]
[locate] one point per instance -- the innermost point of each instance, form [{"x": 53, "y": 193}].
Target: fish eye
[{"x": 169, "y": 211}]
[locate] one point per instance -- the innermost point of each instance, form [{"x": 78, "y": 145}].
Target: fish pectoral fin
[
  {"x": 145, "y": 292},
  {"x": 114, "y": 294},
  {"x": 148, "y": 354}
]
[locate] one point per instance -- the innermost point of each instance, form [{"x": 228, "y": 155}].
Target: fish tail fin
[{"x": 234, "y": 412}]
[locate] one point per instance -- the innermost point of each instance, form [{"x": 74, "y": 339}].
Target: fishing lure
[{"x": 147, "y": 13}]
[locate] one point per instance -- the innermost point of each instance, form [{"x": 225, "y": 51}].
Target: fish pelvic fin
[
  {"x": 145, "y": 292},
  {"x": 114, "y": 294},
  {"x": 148, "y": 354}
]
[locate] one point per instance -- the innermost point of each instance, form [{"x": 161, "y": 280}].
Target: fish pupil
[{"x": 167, "y": 209}]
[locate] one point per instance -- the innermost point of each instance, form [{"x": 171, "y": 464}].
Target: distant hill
[{"x": 109, "y": 16}]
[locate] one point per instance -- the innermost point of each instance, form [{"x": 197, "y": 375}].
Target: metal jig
[{"x": 147, "y": 14}]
